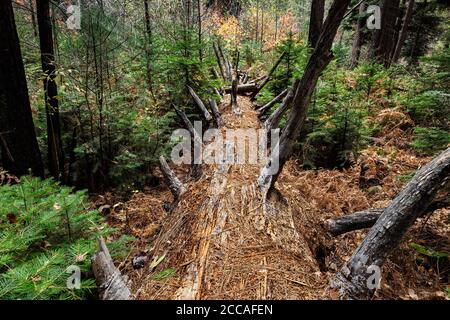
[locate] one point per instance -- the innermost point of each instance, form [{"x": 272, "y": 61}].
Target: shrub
[{"x": 44, "y": 229}]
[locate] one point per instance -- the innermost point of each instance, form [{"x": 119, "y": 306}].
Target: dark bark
[
  {"x": 111, "y": 284},
  {"x": 173, "y": 183},
  {"x": 219, "y": 61},
  {"x": 404, "y": 31},
  {"x": 148, "y": 46},
  {"x": 316, "y": 21},
  {"x": 384, "y": 39},
  {"x": 234, "y": 94},
  {"x": 317, "y": 63},
  {"x": 356, "y": 221},
  {"x": 390, "y": 228},
  {"x": 358, "y": 38},
  {"x": 243, "y": 88},
  {"x": 55, "y": 151},
  {"x": 18, "y": 144},
  {"x": 269, "y": 76}
]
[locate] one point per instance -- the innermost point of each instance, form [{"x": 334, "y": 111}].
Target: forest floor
[{"x": 221, "y": 243}]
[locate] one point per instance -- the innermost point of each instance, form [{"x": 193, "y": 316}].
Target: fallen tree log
[
  {"x": 200, "y": 104},
  {"x": 353, "y": 280},
  {"x": 110, "y": 283},
  {"x": 243, "y": 88},
  {"x": 173, "y": 183},
  {"x": 269, "y": 105}
]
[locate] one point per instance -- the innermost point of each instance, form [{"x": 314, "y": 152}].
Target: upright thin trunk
[
  {"x": 33, "y": 18},
  {"x": 148, "y": 46},
  {"x": 18, "y": 144},
  {"x": 316, "y": 21},
  {"x": 384, "y": 39},
  {"x": 404, "y": 31},
  {"x": 55, "y": 151},
  {"x": 358, "y": 40},
  {"x": 199, "y": 21}
]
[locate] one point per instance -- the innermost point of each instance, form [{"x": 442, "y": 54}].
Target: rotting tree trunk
[
  {"x": 390, "y": 228},
  {"x": 110, "y": 283},
  {"x": 358, "y": 38},
  {"x": 18, "y": 143},
  {"x": 173, "y": 183},
  {"x": 269, "y": 76},
  {"x": 55, "y": 151},
  {"x": 404, "y": 31},
  {"x": 316, "y": 21},
  {"x": 319, "y": 60},
  {"x": 199, "y": 103}
]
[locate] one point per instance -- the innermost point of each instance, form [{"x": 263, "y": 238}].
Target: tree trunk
[
  {"x": 358, "y": 40},
  {"x": 384, "y": 39},
  {"x": 404, "y": 31},
  {"x": 352, "y": 281},
  {"x": 316, "y": 21},
  {"x": 110, "y": 283},
  {"x": 148, "y": 46},
  {"x": 319, "y": 60},
  {"x": 18, "y": 144},
  {"x": 243, "y": 88},
  {"x": 33, "y": 18},
  {"x": 55, "y": 151}
]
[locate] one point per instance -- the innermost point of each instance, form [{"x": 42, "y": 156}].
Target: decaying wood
[
  {"x": 368, "y": 218},
  {"x": 199, "y": 103},
  {"x": 386, "y": 234},
  {"x": 173, "y": 183},
  {"x": 196, "y": 169},
  {"x": 188, "y": 124},
  {"x": 269, "y": 105},
  {"x": 110, "y": 282},
  {"x": 243, "y": 88},
  {"x": 356, "y": 221},
  {"x": 269, "y": 76},
  {"x": 216, "y": 113}
]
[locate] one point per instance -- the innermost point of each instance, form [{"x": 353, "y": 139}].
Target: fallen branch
[
  {"x": 110, "y": 283},
  {"x": 269, "y": 105},
  {"x": 200, "y": 104},
  {"x": 368, "y": 218},
  {"x": 269, "y": 76},
  {"x": 173, "y": 183}
]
